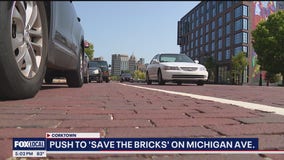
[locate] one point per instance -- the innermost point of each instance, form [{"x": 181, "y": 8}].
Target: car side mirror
[
  {"x": 155, "y": 61},
  {"x": 196, "y": 61},
  {"x": 86, "y": 44}
]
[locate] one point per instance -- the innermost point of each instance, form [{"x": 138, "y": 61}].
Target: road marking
[{"x": 248, "y": 105}]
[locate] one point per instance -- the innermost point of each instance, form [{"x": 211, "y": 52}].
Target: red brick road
[{"x": 115, "y": 110}]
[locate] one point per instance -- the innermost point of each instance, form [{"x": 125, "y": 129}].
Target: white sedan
[{"x": 176, "y": 68}]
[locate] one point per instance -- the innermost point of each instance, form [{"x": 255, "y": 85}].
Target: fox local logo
[{"x": 29, "y": 144}]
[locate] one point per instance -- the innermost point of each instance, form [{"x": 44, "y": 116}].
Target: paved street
[{"x": 122, "y": 110}]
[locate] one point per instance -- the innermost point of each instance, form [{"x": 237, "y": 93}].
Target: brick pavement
[{"x": 120, "y": 111}]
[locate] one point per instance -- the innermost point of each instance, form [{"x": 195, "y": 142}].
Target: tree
[
  {"x": 268, "y": 42},
  {"x": 239, "y": 63},
  {"x": 90, "y": 50},
  {"x": 139, "y": 74},
  {"x": 210, "y": 65}
]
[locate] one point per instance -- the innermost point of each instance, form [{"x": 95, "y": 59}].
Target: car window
[
  {"x": 93, "y": 64},
  {"x": 155, "y": 57},
  {"x": 102, "y": 63},
  {"x": 175, "y": 58}
]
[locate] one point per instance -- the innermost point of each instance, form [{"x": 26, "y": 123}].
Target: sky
[{"x": 143, "y": 29}]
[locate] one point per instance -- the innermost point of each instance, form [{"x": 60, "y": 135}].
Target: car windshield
[
  {"x": 93, "y": 64},
  {"x": 175, "y": 58},
  {"x": 102, "y": 63}
]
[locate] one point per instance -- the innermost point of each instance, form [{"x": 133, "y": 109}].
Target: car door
[
  {"x": 153, "y": 68},
  {"x": 64, "y": 16}
]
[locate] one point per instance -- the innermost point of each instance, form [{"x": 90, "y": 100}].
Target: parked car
[
  {"x": 86, "y": 68},
  {"x": 178, "y": 68},
  {"x": 126, "y": 77},
  {"x": 38, "y": 37},
  {"x": 95, "y": 72},
  {"x": 104, "y": 67}
]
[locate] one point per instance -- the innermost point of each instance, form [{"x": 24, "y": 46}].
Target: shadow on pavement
[{"x": 53, "y": 86}]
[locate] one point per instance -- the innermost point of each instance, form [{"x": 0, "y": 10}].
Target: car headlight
[
  {"x": 170, "y": 68},
  {"x": 96, "y": 71},
  {"x": 202, "y": 69}
]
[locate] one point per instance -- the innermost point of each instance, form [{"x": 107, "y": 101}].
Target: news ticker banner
[{"x": 91, "y": 143}]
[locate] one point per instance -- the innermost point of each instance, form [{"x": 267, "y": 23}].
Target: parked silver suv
[{"x": 38, "y": 36}]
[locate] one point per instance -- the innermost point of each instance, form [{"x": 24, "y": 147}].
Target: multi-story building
[
  {"x": 119, "y": 62},
  {"x": 132, "y": 63},
  {"x": 141, "y": 65},
  {"x": 221, "y": 30}
]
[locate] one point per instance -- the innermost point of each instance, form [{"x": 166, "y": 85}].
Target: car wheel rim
[{"x": 27, "y": 37}]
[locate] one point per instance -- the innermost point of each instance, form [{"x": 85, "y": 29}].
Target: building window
[
  {"x": 207, "y": 28},
  {"x": 213, "y": 46},
  {"x": 220, "y": 44},
  {"x": 245, "y": 10},
  {"x": 241, "y": 24},
  {"x": 241, "y": 11},
  {"x": 228, "y": 17},
  {"x": 220, "y": 56},
  {"x": 238, "y": 50},
  {"x": 228, "y": 41},
  {"x": 202, "y": 19},
  {"x": 196, "y": 34},
  {"x": 220, "y": 7},
  {"x": 201, "y": 31},
  {"x": 229, "y": 4},
  {"x": 206, "y": 38},
  {"x": 245, "y": 37},
  {"x": 201, "y": 40},
  {"x": 207, "y": 16},
  {"x": 207, "y": 6},
  {"x": 245, "y": 24},
  {"x": 238, "y": 25},
  {"x": 228, "y": 54},
  {"x": 220, "y": 21},
  {"x": 206, "y": 48},
  {"x": 238, "y": 38},
  {"x": 213, "y": 25},
  {"x": 228, "y": 29},
  {"x": 214, "y": 12},
  {"x": 220, "y": 32},
  {"x": 213, "y": 35},
  {"x": 202, "y": 9},
  {"x": 245, "y": 49}
]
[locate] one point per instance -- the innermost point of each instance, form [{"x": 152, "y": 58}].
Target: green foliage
[
  {"x": 139, "y": 75},
  {"x": 272, "y": 77},
  {"x": 115, "y": 78},
  {"x": 90, "y": 51},
  {"x": 210, "y": 65},
  {"x": 239, "y": 63},
  {"x": 268, "y": 42}
]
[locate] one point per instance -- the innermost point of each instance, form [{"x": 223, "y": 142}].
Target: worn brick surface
[
  {"x": 161, "y": 132},
  {"x": 250, "y": 129},
  {"x": 193, "y": 122},
  {"x": 115, "y": 110}
]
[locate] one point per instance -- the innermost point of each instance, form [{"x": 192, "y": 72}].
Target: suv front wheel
[{"x": 23, "y": 47}]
